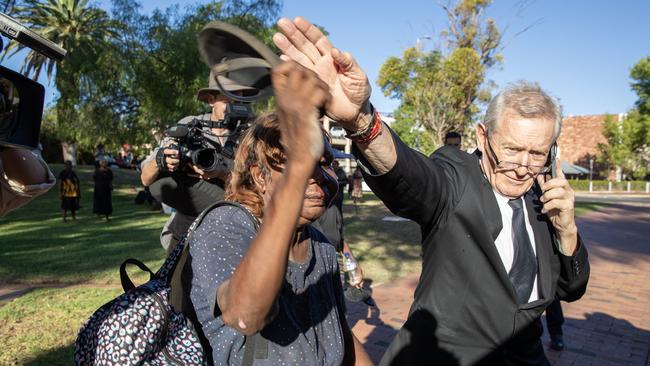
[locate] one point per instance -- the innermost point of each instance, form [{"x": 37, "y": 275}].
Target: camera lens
[{"x": 205, "y": 159}]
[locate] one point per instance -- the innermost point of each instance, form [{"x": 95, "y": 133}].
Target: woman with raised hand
[{"x": 282, "y": 280}]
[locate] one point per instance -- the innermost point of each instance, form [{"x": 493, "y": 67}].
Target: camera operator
[{"x": 185, "y": 186}]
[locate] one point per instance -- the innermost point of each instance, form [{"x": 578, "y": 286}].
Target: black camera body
[
  {"x": 22, "y": 99},
  {"x": 194, "y": 145}
]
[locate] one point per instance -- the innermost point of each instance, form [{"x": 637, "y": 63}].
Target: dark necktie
[{"x": 524, "y": 264}]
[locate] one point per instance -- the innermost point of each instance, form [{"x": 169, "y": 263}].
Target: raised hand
[
  {"x": 304, "y": 43},
  {"x": 299, "y": 94},
  {"x": 558, "y": 199}
]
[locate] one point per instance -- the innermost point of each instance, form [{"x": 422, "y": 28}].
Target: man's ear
[
  {"x": 258, "y": 178},
  {"x": 481, "y": 133}
]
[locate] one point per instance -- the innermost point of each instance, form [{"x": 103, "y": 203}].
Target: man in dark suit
[{"x": 499, "y": 238}]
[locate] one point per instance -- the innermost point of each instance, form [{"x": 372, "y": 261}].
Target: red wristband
[{"x": 372, "y": 134}]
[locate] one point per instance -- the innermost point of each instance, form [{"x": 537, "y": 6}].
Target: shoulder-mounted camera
[{"x": 21, "y": 99}]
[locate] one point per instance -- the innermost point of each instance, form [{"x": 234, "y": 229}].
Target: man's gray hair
[{"x": 526, "y": 99}]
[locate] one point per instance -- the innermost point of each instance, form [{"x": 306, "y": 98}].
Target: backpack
[{"x": 140, "y": 327}]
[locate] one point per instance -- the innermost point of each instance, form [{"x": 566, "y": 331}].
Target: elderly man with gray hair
[{"x": 499, "y": 237}]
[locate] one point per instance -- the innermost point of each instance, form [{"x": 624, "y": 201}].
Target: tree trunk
[{"x": 69, "y": 152}]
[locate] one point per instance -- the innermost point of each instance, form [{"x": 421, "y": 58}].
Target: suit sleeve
[
  {"x": 417, "y": 187},
  {"x": 574, "y": 274}
]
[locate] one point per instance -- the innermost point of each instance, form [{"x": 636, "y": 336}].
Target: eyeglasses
[{"x": 507, "y": 165}]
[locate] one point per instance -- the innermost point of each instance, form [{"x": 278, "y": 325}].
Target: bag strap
[
  {"x": 127, "y": 284},
  {"x": 258, "y": 349},
  {"x": 167, "y": 269}
]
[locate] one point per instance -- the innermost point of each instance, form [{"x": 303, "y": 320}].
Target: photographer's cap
[{"x": 226, "y": 83}]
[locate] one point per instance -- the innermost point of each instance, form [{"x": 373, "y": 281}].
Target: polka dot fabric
[{"x": 307, "y": 329}]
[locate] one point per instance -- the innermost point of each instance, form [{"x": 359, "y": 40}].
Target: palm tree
[
  {"x": 82, "y": 30},
  {"x": 85, "y": 32}
]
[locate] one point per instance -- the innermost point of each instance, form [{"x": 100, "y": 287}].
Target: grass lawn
[
  {"x": 36, "y": 247},
  {"x": 40, "y": 327}
]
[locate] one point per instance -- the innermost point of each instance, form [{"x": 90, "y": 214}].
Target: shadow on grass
[
  {"x": 391, "y": 248},
  {"x": 62, "y": 356},
  {"x": 37, "y": 247}
]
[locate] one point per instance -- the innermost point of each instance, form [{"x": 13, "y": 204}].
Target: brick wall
[{"x": 580, "y": 137}]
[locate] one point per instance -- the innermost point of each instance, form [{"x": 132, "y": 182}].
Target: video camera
[
  {"x": 22, "y": 99},
  {"x": 195, "y": 146}
]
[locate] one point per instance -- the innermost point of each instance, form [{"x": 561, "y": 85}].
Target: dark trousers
[{"x": 554, "y": 318}]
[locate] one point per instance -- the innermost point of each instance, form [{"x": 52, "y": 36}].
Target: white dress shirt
[{"x": 504, "y": 243}]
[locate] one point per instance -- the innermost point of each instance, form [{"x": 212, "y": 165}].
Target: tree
[
  {"x": 628, "y": 141},
  {"x": 640, "y": 75},
  {"x": 79, "y": 28},
  {"x": 145, "y": 79},
  {"x": 162, "y": 54},
  {"x": 440, "y": 91},
  {"x": 84, "y": 31}
]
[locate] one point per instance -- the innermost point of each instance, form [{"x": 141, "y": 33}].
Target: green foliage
[
  {"x": 128, "y": 76},
  {"x": 628, "y": 141},
  {"x": 440, "y": 91},
  {"x": 640, "y": 75},
  {"x": 413, "y": 135},
  {"x": 84, "y": 31}
]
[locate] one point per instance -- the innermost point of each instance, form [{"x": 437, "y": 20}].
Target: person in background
[
  {"x": 191, "y": 190},
  {"x": 453, "y": 138},
  {"x": 554, "y": 321},
  {"x": 357, "y": 180},
  {"x": 69, "y": 191},
  {"x": 100, "y": 154},
  {"x": 342, "y": 179},
  {"x": 331, "y": 225},
  {"x": 102, "y": 195}
]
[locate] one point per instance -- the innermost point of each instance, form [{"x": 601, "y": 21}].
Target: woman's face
[{"x": 321, "y": 189}]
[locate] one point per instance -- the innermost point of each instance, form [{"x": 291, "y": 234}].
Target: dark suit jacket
[{"x": 465, "y": 310}]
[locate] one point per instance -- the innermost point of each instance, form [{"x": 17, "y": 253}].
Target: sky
[{"x": 580, "y": 51}]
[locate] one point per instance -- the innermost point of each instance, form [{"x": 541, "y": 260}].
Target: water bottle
[{"x": 351, "y": 269}]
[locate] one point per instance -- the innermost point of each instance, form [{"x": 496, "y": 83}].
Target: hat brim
[
  {"x": 203, "y": 93},
  {"x": 219, "y": 41}
]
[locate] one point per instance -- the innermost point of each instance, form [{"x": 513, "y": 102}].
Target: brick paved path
[{"x": 610, "y": 325}]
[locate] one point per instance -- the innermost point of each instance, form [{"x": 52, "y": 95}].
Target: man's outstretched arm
[
  {"x": 304, "y": 43},
  {"x": 410, "y": 184}
]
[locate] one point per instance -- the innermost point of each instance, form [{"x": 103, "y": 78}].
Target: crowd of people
[{"x": 499, "y": 239}]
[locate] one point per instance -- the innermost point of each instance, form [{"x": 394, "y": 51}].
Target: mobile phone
[{"x": 552, "y": 158}]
